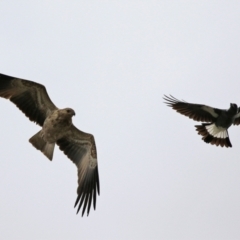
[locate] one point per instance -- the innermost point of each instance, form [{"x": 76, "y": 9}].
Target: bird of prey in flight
[
  {"x": 216, "y": 121},
  {"x": 57, "y": 127}
]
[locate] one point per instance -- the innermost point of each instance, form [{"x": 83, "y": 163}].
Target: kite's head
[{"x": 69, "y": 111}]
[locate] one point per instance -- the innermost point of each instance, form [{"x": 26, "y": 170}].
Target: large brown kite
[{"x": 57, "y": 127}]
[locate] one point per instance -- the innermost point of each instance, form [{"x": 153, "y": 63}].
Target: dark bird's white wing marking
[
  {"x": 237, "y": 118},
  {"x": 30, "y": 97},
  {"x": 196, "y": 112},
  {"x": 81, "y": 149}
]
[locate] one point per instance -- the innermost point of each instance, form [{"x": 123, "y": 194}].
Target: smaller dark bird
[{"x": 217, "y": 121}]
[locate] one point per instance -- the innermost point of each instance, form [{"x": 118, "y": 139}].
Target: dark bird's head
[{"x": 233, "y": 109}]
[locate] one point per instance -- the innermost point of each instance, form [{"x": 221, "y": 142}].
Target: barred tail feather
[{"x": 214, "y": 135}]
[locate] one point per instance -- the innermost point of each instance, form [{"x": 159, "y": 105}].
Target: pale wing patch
[
  {"x": 88, "y": 161},
  {"x": 237, "y": 116},
  {"x": 217, "y": 132},
  {"x": 210, "y": 110},
  {"x": 83, "y": 167},
  {"x": 92, "y": 163}
]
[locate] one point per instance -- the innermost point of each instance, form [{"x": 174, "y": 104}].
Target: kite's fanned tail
[{"x": 46, "y": 148}]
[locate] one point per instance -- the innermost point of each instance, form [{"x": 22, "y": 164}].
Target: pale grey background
[{"x": 112, "y": 61}]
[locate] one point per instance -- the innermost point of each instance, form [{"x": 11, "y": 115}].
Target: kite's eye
[{"x": 68, "y": 111}]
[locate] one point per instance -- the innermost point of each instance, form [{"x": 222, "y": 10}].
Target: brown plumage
[{"x": 57, "y": 127}]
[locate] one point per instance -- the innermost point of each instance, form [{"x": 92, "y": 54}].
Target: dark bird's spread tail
[
  {"x": 213, "y": 134},
  {"x": 46, "y": 148}
]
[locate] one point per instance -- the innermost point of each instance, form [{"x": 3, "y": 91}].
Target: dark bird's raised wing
[
  {"x": 30, "y": 97},
  {"x": 81, "y": 149},
  {"x": 196, "y": 112}
]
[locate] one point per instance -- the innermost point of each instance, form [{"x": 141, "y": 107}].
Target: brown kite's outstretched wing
[
  {"x": 81, "y": 149},
  {"x": 30, "y": 97},
  {"x": 196, "y": 112}
]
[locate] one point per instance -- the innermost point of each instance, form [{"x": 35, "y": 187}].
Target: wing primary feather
[
  {"x": 89, "y": 203},
  {"x": 77, "y": 200},
  {"x": 94, "y": 196},
  {"x": 97, "y": 181},
  {"x": 81, "y": 202},
  {"x": 85, "y": 203}
]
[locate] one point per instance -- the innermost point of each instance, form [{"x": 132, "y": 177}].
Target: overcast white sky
[{"x": 112, "y": 61}]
